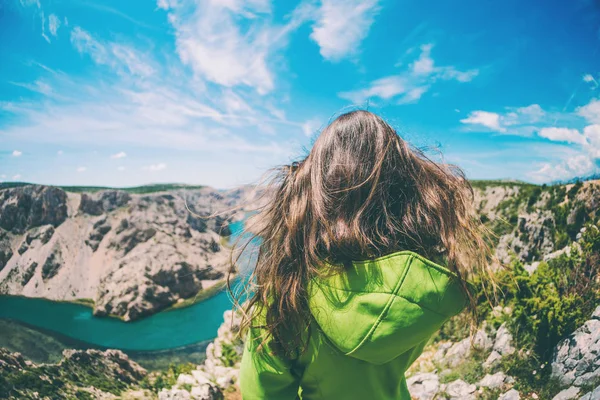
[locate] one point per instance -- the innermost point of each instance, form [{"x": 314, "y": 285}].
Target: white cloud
[
  {"x": 53, "y": 24},
  {"x": 59, "y": 152},
  {"x": 588, "y": 78},
  {"x": 562, "y": 135},
  {"x": 121, "y": 58},
  {"x": 16, "y": 177},
  {"x": 591, "y": 111},
  {"x": 411, "y": 84},
  {"x": 120, "y": 154},
  {"x": 580, "y": 165},
  {"x": 310, "y": 127},
  {"x": 384, "y": 88},
  {"x": 534, "y": 113},
  {"x": 341, "y": 25},
  {"x": 156, "y": 167},
  {"x": 522, "y": 121},
  {"x": 81, "y": 169},
  {"x": 37, "y": 86},
  {"x": 592, "y": 135},
  {"x": 488, "y": 119},
  {"x": 121, "y": 168},
  {"x": 230, "y": 43},
  {"x": 17, "y": 153}
]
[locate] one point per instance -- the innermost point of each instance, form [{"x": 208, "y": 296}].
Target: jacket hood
[{"x": 379, "y": 309}]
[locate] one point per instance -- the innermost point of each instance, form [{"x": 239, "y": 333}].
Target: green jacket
[{"x": 371, "y": 324}]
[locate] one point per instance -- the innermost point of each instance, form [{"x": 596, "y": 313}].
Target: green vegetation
[
  {"x": 230, "y": 354},
  {"x": 144, "y": 189},
  {"x": 63, "y": 380},
  {"x": 484, "y": 183},
  {"x": 165, "y": 379},
  {"x": 547, "y": 306}
]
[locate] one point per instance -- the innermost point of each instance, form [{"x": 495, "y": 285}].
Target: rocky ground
[
  {"x": 131, "y": 254},
  {"x": 89, "y": 374}
]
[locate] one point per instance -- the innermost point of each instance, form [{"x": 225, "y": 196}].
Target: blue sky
[{"x": 216, "y": 92}]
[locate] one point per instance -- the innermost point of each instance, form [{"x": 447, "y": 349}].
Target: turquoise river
[{"x": 166, "y": 330}]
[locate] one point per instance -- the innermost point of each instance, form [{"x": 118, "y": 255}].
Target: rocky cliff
[{"x": 131, "y": 254}]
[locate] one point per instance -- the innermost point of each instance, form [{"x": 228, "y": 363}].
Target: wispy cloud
[
  {"x": 229, "y": 43},
  {"x": 81, "y": 169},
  {"x": 53, "y": 24},
  {"x": 120, "y": 154},
  {"x": 411, "y": 84},
  {"x": 120, "y": 57},
  {"x": 341, "y": 25},
  {"x": 311, "y": 126},
  {"x": 17, "y": 153},
  {"x": 522, "y": 121},
  {"x": 155, "y": 167},
  {"x": 154, "y": 109}
]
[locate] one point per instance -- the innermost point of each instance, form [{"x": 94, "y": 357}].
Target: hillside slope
[{"x": 131, "y": 254}]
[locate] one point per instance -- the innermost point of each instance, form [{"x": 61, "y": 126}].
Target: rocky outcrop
[
  {"x": 428, "y": 378},
  {"x": 5, "y": 251},
  {"x": 26, "y": 207},
  {"x": 80, "y": 374},
  {"x": 103, "y": 202},
  {"x": 101, "y": 228},
  {"x": 576, "y": 360},
  {"x": 52, "y": 264},
  {"x": 531, "y": 239},
  {"x": 219, "y": 372},
  {"x": 28, "y": 273}
]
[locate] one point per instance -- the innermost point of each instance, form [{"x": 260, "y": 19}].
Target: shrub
[{"x": 166, "y": 379}]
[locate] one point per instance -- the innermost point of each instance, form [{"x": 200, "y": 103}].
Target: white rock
[
  {"x": 174, "y": 394},
  {"x": 200, "y": 377},
  {"x": 185, "y": 379},
  {"x": 458, "y": 352},
  {"x": 567, "y": 394},
  {"x": 512, "y": 394},
  {"x": 493, "y": 381},
  {"x": 576, "y": 359},
  {"x": 206, "y": 392},
  {"x": 460, "y": 389},
  {"x": 503, "y": 341},
  {"x": 492, "y": 359},
  {"x": 423, "y": 386}
]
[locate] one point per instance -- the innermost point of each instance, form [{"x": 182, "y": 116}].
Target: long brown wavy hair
[{"x": 362, "y": 192}]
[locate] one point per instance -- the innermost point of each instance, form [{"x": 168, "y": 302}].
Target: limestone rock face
[
  {"x": 531, "y": 239},
  {"x": 132, "y": 254},
  {"x": 576, "y": 359},
  {"x": 26, "y": 207},
  {"x": 104, "y": 201}
]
